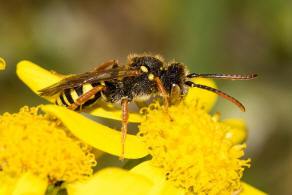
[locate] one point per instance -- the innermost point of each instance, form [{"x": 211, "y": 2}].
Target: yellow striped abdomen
[{"x": 69, "y": 96}]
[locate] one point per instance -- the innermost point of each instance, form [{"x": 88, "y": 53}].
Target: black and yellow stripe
[{"x": 69, "y": 96}]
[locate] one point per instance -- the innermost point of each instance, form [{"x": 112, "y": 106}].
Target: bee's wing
[{"x": 89, "y": 77}]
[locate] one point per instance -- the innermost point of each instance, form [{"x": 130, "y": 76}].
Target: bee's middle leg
[
  {"x": 84, "y": 97},
  {"x": 124, "y": 125}
]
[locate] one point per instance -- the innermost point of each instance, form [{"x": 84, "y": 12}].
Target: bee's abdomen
[{"x": 69, "y": 96}]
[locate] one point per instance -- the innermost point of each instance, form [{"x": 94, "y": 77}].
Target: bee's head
[
  {"x": 174, "y": 74},
  {"x": 150, "y": 65}
]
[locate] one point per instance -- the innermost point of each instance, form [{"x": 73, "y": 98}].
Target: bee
[{"x": 142, "y": 77}]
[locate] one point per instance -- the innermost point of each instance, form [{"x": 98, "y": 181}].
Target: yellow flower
[
  {"x": 193, "y": 150},
  {"x": 2, "y": 64},
  {"x": 143, "y": 179},
  {"x": 37, "y": 148},
  {"x": 162, "y": 186},
  {"x": 192, "y": 153}
]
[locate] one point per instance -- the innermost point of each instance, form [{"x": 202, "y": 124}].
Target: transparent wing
[{"x": 89, "y": 77}]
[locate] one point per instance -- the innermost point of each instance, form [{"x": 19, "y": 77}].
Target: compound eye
[
  {"x": 144, "y": 69},
  {"x": 151, "y": 77}
]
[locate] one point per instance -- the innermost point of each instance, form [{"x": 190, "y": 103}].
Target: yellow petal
[
  {"x": 249, "y": 190},
  {"x": 2, "y": 64},
  {"x": 37, "y": 78},
  {"x": 27, "y": 184},
  {"x": 204, "y": 98},
  {"x": 161, "y": 186},
  {"x": 30, "y": 184},
  {"x": 237, "y": 132},
  {"x": 152, "y": 173},
  {"x": 112, "y": 181},
  {"x": 108, "y": 110},
  {"x": 165, "y": 188},
  {"x": 97, "y": 135},
  {"x": 7, "y": 183}
]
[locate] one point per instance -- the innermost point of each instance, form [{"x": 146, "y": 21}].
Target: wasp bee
[{"x": 142, "y": 77}]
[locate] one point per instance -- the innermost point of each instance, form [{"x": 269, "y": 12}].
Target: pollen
[
  {"x": 192, "y": 150},
  {"x": 35, "y": 142}
]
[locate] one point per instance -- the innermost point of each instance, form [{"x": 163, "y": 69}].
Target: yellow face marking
[
  {"x": 144, "y": 68},
  {"x": 151, "y": 77},
  {"x": 161, "y": 68}
]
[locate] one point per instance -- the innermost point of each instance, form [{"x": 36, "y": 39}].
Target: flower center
[
  {"x": 192, "y": 149},
  {"x": 34, "y": 142}
]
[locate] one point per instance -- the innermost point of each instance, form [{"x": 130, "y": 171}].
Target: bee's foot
[{"x": 122, "y": 157}]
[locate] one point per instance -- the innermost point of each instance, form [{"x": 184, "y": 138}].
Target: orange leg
[
  {"x": 98, "y": 68},
  {"x": 163, "y": 92},
  {"x": 61, "y": 75},
  {"x": 106, "y": 65},
  {"x": 175, "y": 94},
  {"x": 124, "y": 125},
  {"x": 82, "y": 99}
]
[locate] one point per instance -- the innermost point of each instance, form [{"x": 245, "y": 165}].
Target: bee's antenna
[
  {"x": 222, "y": 94},
  {"x": 223, "y": 76}
]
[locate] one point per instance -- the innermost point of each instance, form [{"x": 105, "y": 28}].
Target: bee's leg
[
  {"x": 113, "y": 63},
  {"x": 60, "y": 75},
  {"x": 84, "y": 97},
  {"x": 124, "y": 125},
  {"x": 163, "y": 92},
  {"x": 175, "y": 94}
]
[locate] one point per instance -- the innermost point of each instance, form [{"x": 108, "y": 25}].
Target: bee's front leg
[
  {"x": 125, "y": 118},
  {"x": 175, "y": 94},
  {"x": 162, "y": 90}
]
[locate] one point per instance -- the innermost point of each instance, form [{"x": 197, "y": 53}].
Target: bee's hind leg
[
  {"x": 84, "y": 97},
  {"x": 125, "y": 112},
  {"x": 60, "y": 75},
  {"x": 113, "y": 63}
]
